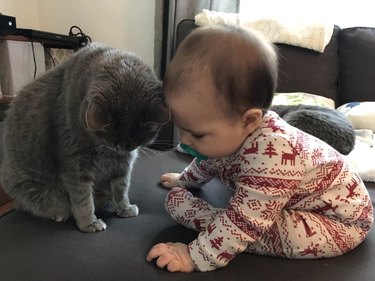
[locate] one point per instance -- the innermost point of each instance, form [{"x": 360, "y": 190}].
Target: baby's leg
[
  {"x": 190, "y": 211},
  {"x": 305, "y": 235}
]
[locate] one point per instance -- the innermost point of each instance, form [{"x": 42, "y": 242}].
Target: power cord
[
  {"x": 34, "y": 58},
  {"x": 85, "y": 39}
]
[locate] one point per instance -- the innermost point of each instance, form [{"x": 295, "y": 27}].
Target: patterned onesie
[{"x": 294, "y": 196}]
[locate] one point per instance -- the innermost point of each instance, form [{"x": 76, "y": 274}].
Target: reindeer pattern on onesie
[{"x": 294, "y": 197}]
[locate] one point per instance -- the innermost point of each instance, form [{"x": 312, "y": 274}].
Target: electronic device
[
  {"x": 50, "y": 38},
  {"x": 7, "y": 24}
]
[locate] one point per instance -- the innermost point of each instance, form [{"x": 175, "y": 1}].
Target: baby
[{"x": 294, "y": 195}]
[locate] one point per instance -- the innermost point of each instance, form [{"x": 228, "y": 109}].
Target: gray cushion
[
  {"x": 357, "y": 64},
  {"x": 304, "y": 70},
  {"x": 39, "y": 249}
]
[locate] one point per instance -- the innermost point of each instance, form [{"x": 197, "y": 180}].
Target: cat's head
[{"x": 124, "y": 107}]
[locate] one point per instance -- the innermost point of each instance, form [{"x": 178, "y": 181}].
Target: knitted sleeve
[{"x": 198, "y": 173}]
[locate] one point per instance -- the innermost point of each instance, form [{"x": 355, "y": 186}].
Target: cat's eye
[{"x": 153, "y": 127}]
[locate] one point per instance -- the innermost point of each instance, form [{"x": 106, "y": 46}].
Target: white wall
[
  {"x": 124, "y": 24},
  {"x": 25, "y": 11}
]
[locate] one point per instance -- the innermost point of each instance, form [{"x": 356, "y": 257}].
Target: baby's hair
[{"x": 242, "y": 65}]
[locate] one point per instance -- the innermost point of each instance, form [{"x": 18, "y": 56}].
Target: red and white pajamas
[{"x": 294, "y": 197}]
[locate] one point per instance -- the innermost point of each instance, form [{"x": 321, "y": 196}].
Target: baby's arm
[{"x": 194, "y": 175}]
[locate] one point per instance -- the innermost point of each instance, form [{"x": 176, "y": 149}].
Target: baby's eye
[{"x": 198, "y": 136}]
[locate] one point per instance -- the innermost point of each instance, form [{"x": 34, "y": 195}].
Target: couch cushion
[
  {"x": 304, "y": 70},
  {"x": 39, "y": 249},
  {"x": 360, "y": 114},
  {"x": 357, "y": 64},
  {"x": 296, "y": 98}
]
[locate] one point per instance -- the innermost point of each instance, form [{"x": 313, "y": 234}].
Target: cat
[
  {"x": 324, "y": 123},
  {"x": 76, "y": 130}
]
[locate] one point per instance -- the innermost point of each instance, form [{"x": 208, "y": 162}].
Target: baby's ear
[
  {"x": 96, "y": 116},
  {"x": 251, "y": 119}
]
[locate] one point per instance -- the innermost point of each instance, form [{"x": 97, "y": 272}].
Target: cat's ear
[{"x": 96, "y": 116}]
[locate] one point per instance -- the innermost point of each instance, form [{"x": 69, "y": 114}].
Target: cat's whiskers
[{"x": 149, "y": 152}]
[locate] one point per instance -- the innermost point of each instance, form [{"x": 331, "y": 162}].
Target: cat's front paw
[
  {"x": 132, "y": 211},
  {"x": 60, "y": 218},
  {"x": 95, "y": 226}
]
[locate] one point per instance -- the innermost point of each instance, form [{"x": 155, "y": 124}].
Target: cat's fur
[
  {"x": 75, "y": 132},
  {"x": 324, "y": 123}
]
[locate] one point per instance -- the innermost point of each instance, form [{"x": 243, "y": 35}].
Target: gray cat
[
  {"x": 74, "y": 132},
  {"x": 324, "y": 123}
]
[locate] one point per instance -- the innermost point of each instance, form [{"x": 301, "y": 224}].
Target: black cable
[
  {"x": 85, "y": 39},
  {"x": 35, "y": 65},
  {"x": 47, "y": 50}
]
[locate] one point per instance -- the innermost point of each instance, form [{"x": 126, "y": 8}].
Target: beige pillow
[
  {"x": 295, "y": 98},
  {"x": 360, "y": 114}
]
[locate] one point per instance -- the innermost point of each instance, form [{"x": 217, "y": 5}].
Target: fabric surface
[
  {"x": 363, "y": 155},
  {"x": 306, "y": 34},
  {"x": 357, "y": 64},
  {"x": 360, "y": 114},
  {"x": 362, "y": 117},
  {"x": 296, "y": 98},
  {"x": 34, "y": 249}
]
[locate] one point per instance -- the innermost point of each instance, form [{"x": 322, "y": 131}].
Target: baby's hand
[
  {"x": 173, "y": 256},
  {"x": 169, "y": 180}
]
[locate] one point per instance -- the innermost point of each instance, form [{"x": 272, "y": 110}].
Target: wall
[
  {"x": 25, "y": 11},
  {"x": 124, "y": 24}
]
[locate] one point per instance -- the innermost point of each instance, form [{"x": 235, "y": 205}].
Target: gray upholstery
[
  {"x": 37, "y": 249},
  {"x": 357, "y": 67},
  {"x": 322, "y": 69}
]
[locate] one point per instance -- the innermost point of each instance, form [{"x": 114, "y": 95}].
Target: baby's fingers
[
  {"x": 165, "y": 260},
  {"x": 165, "y": 257},
  {"x": 156, "y": 251}
]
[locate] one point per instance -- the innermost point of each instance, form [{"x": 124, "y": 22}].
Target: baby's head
[
  {"x": 240, "y": 65},
  {"x": 217, "y": 86}
]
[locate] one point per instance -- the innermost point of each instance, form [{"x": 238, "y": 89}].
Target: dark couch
[{"x": 37, "y": 249}]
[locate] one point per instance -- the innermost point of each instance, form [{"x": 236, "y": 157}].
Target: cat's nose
[{"x": 132, "y": 146}]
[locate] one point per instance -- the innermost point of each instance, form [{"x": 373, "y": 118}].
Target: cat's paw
[
  {"x": 60, "y": 218},
  {"x": 132, "y": 211},
  {"x": 95, "y": 226}
]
